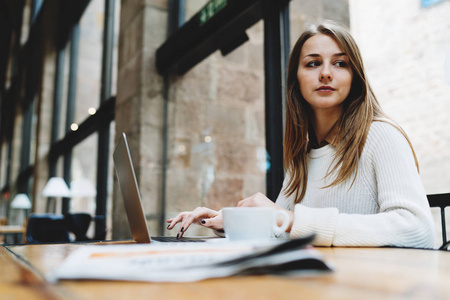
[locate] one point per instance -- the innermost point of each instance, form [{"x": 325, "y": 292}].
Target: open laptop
[{"x": 132, "y": 198}]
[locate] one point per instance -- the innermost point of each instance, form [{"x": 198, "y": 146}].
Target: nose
[{"x": 325, "y": 73}]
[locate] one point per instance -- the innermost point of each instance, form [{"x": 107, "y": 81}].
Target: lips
[{"x": 325, "y": 88}]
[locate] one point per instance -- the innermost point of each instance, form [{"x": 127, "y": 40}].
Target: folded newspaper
[{"x": 187, "y": 262}]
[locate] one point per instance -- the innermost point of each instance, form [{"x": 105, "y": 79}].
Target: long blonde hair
[{"x": 361, "y": 108}]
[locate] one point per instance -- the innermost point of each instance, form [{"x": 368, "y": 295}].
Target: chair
[
  {"x": 47, "y": 228},
  {"x": 441, "y": 201},
  {"x": 50, "y": 228},
  {"x": 79, "y": 224}
]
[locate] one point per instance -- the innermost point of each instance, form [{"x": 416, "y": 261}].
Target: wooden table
[
  {"x": 17, "y": 230},
  {"x": 360, "y": 273}
]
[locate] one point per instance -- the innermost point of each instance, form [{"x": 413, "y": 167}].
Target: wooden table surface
[
  {"x": 11, "y": 229},
  {"x": 360, "y": 273}
]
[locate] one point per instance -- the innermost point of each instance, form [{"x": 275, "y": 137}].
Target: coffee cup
[{"x": 253, "y": 223}]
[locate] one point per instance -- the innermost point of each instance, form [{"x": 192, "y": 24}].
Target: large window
[
  {"x": 64, "y": 102},
  {"x": 216, "y": 151}
]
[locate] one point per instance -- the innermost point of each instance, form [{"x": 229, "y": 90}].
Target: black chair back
[
  {"x": 47, "y": 228},
  {"x": 52, "y": 228},
  {"x": 79, "y": 224},
  {"x": 441, "y": 201}
]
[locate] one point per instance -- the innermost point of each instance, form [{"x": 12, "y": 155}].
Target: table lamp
[
  {"x": 20, "y": 202},
  {"x": 84, "y": 190},
  {"x": 56, "y": 187},
  {"x": 83, "y": 205}
]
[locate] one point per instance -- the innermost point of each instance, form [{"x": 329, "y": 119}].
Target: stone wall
[
  {"x": 139, "y": 104},
  {"x": 406, "y": 49}
]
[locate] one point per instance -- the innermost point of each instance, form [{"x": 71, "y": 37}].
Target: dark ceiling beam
[
  {"x": 104, "y": 115},
  {"x": 219, "y": 25},
  {"x": 71, "y": 12}
]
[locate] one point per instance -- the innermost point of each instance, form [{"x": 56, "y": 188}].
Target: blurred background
[{"x": 198, "y": 88}]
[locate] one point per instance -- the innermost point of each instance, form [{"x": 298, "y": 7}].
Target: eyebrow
[{"x": 318, "y": 55}]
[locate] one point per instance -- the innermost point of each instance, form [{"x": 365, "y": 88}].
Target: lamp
[
  {"x": 83, "y": 194},
  {"x": 56, "y": 187},
  {"x": 20, "y": 202},
  {"x": 82, "y": 188}
]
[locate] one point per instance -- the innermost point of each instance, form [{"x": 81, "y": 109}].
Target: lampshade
[
  {"x": 21, "y": 201},
  {"x": 82, "y": 188},
  {"x": 56, "y": 187}
]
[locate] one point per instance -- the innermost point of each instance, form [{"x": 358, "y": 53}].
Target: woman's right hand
[{"x": 201, "y": 215}]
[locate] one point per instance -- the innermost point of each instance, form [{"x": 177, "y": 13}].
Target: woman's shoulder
[
  {"x": 385, "y": 129},
  {"x": 385, "y": 133}
]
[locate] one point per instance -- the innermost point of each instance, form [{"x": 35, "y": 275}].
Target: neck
[{"x": 323, "y": 122}]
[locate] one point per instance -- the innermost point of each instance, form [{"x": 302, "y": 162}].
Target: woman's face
[{"x": 324, "y": 74}]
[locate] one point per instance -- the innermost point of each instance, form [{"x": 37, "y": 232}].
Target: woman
[{"x": 351, "y": 173}]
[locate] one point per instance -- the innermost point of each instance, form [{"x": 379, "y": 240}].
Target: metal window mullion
[
  {"x": 35, "y": 9},
  {"x": 56, "y": 118},
  {"x": 27, "y": 115},
  {"x": 444, "y": 232},
  {"x": 71, "y": 102},
  {"x": 275, "y": 66},
  {"x": 176, "y": 15},
  {"x": 57, "y": 99},
  {"x": 103, "y": 132},
  {"x": 29, "y": 100},
  {"x": 285, "y": 51},
  {"x": 10, "y": 97}
]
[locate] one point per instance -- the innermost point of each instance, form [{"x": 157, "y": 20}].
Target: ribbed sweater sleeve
[{"x": 386, "y": 205}]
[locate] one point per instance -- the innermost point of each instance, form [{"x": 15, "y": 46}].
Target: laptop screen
[{"x": 130, "y": 192}]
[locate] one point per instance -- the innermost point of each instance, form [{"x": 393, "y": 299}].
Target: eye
[
  {"x": 341, "y": 64},
  {"x": 313, "y": 63}
]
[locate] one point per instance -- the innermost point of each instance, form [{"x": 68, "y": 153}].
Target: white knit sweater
[{"x": 386, "y": 206}]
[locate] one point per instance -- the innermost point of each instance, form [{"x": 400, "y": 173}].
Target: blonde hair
[{"x": 361, "y": 108}]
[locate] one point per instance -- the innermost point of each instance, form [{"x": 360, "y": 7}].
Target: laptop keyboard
[{"x": 173, "y": 239}]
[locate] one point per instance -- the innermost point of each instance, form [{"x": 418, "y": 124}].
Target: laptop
[{"x": 132, "y": 198}]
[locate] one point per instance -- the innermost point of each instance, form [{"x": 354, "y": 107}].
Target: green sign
[{"x": 210, "y": 9}]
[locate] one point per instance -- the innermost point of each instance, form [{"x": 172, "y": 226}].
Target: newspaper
[{"x": 187, "y": 262}]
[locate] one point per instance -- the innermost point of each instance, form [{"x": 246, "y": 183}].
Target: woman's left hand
[{"x": 260, "y": 200}]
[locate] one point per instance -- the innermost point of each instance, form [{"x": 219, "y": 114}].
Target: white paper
[{"x": 175, "y": 262}]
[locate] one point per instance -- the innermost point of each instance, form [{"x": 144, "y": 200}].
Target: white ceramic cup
[{"x": 253, "y": 223}]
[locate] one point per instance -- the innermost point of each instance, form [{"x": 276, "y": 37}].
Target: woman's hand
[
  {"x": 201, "y": 215},
  {"x": 260, "y": 200}
]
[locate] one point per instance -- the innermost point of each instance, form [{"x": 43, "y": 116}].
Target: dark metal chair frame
[{"x": 441, "y": 201}]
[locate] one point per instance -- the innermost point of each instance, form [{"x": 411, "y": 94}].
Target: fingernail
[
  {"x": 168, "y": 226},
  {"x": 203, "y": 221},
  {"x": 182, "y": 229},
  {"x": 178, "y": 235}
]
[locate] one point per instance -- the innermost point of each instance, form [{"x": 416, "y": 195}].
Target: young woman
[{"x": 351, "y": 173}]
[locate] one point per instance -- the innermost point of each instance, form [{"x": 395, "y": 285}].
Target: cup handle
[{"x": 280, "y": 229}]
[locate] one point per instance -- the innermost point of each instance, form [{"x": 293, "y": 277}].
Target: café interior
[{"x": 198, "y": 88}]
